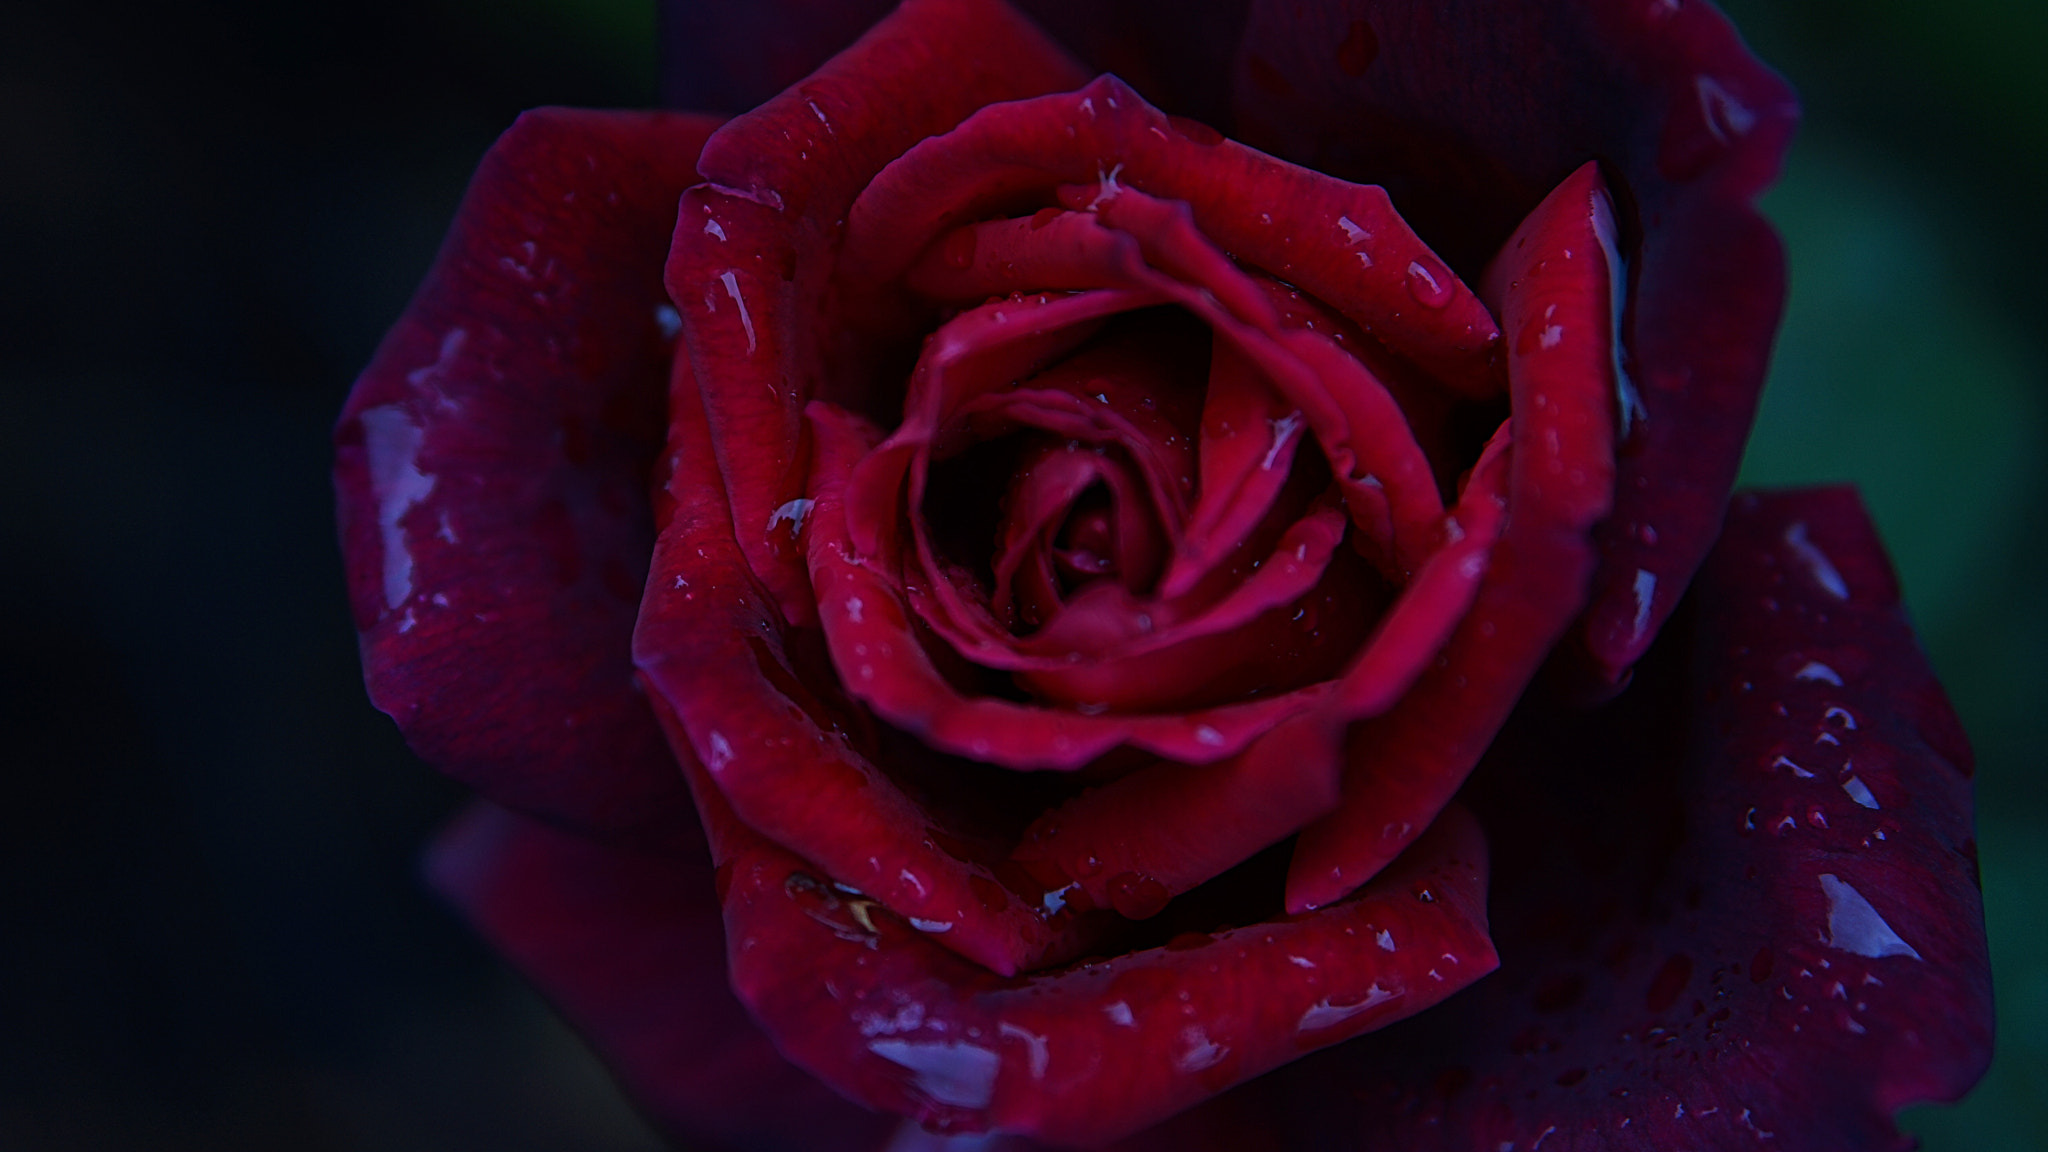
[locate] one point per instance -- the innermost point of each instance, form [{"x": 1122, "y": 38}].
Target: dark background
[{"x": 212, "y": 933}]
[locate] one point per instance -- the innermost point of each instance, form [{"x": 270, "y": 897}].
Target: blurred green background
[{"x": 210, "y": 212}]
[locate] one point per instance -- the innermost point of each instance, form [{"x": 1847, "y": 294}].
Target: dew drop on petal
[
  {"x": 1854, "y": 926},
  {"x": 1137, "y": 897},
  {"x": 952, "y": 1072}
]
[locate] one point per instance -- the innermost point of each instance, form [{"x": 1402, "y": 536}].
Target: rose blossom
[{"x": 1062, "y": 508}]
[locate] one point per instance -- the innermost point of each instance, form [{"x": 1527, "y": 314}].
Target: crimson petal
[
  {"x": 492, "y": 475},
  {"x": 1092, "y": 1052},
  {"x": 1738, "y": 904}
]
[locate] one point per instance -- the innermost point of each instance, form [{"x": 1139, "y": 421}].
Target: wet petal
[
  {"x": 1094, "y": 1051},
  {"x": 1707, "y": 940},
  {"x": 1246, "y": 203},
  {"x": 492, "y": 475}
]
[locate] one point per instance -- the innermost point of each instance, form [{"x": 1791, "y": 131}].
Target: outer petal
[
  {"x": 1468, "y": 111},
  {"x": 629, "y": 947},
  {"x": 1736, "y": 908},
  {"x": 493, "y": 468}
]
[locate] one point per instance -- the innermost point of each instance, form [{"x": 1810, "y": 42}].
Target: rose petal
[
  {"x": 1553, "y": 282},
  {"x": 753, "y": 247},
  {"x": 1468, "y": 112},
  {"x": 629, "y": 948},
  {"x": 1708, "y": 936},
  {"x": 1249, "y": 438},
  {"x": 1248, "y": 204},
  {"x": 881, "y": 661},
  {"x": 1089, "y": 1053},
  {"x": 492, "y": 475}
]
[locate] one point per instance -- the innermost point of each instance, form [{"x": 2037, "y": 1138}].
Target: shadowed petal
[
  {"x": 1739, "y": 904},
  {"x": 629, "y": 947},
  {"x": 493, "y": 467}
]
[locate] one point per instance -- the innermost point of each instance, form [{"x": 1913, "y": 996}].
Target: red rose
[{"x": 1092, "y": 552}]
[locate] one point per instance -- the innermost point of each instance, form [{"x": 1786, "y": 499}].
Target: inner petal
[{"x": 1075, "y": 514}]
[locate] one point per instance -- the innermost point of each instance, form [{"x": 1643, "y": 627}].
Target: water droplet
[
  {"x": 392, "y": 442},
  {"x": 1859, "y": 792},
  {"x": 1325, "y": 1014},
  {"x": 1855, "y": 927},
  {"x": 1726, "y": 117},
  {"x": 1815, "y": 561},
  {"x": 1784, "y": 762},
  {"x": 732, "y": 289},
  {"x": 962, "y": 1075},
  {"x": 1646, "y": 597},
  {"x": 1137, "y": 897},
  {"x": 1198, "y": 1051},
  {"x": 793, "y": 512},
  {"x": 1430, "y": 289},
  {"x": 718, "y": 753},
  {"x": 1817, "y": 671}
]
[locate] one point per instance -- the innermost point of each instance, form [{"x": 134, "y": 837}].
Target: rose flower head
[{"x": 1011, "y": 583}]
